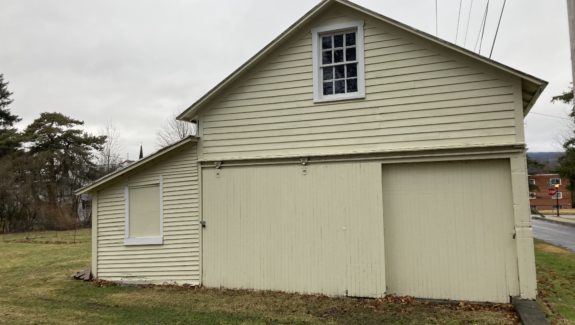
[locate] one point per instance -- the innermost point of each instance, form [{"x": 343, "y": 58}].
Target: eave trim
[{"x": 109, "y": 177}]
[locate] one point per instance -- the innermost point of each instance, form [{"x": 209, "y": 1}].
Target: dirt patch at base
[{"x": 552, "y": 249}]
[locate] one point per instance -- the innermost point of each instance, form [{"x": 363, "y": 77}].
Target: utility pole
[{"x": 571, "y": 18}]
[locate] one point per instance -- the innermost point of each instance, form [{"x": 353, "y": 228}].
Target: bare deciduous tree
[
  {"x": 109, "y": 157},
  {"x": 173, "y": 131}
]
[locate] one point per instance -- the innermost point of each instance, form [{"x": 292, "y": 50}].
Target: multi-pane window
[
  {"x": 532, "y": 181},
  {"x": 532, "y": 195},
  {"x": 339, "y": 63}
]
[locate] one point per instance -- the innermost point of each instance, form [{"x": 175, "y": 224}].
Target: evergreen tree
[
  {"x": 9, "y": 138},
  {"x": 566, "y": 97},
  {"x": 64, "y": 154}
]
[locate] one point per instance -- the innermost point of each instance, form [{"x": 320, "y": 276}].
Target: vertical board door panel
[
  {"x": 312, "y": 229},
  {"x": 449, "y": 230}
]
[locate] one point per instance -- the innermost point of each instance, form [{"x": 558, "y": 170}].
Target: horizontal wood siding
[
  {"x": 418, "y": 95},
  {"x": 178, "y": 259}
]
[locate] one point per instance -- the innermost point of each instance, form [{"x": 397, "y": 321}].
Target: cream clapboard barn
[{"x": 352, "y": 156}]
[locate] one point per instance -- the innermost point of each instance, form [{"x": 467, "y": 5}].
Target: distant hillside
[{"x": 550, "y": 161}]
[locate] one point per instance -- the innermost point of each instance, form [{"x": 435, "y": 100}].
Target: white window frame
[
  {"x": 550, "y": 183},
  {"x": 532, "y": 195},
  {"x": 149, "y": 240},
  {"x": 532, "y": 181},
  {"x": 356, "y": 25},
  {"x": 554, "y": 196}
]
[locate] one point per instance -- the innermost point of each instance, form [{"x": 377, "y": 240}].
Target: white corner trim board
[
  {"x": 147, "y": 240},
  {"x": 357, "y": 26}
]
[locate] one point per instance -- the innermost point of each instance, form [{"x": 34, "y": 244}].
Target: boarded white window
[{"x": 144, "y": 217}]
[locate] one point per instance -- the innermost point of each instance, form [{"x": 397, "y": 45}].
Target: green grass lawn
[
  {"x": 556, "y": 282},
  {"x": 36, "y": 288}
]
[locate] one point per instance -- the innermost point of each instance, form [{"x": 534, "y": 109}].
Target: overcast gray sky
[{"x": 137, "y": 62}]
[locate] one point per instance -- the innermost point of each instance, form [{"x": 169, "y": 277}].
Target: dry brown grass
[
  {"x": 548, "y": 248},
  {"x": 561, "y": 211}
]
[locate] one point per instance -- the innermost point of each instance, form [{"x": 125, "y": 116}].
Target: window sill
[
  {"x": 338, "y": 98},
  {"x": 158, "y": 240}
]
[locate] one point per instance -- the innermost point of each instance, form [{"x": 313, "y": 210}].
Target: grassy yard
[
  {"x": 556, "y": 282},
  {"x": 35, "y": 287}
]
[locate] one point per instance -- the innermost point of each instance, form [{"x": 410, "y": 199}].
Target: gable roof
[
  {"x": 120, "y": 172},
  {"x": 531, "y": 86}
]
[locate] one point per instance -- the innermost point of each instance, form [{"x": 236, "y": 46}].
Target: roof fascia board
[
  {"x": 107, "y": 178},
  {"x": 534, "y": 99}
]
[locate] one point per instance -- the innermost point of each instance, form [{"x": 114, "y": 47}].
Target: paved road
[{"x": 553, "y": 233}]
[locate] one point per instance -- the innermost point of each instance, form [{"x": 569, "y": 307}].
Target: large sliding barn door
[
  {"x": 312, "y": 229},
  {"x": 449, "y": 230}
]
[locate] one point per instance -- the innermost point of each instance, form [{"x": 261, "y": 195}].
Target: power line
[
  {"x": 478, "y": 35},
  {"x": 481, "y": 27},
  {"x": 484, "y": 24},
  {"x": 497, "y": 30},
  {"x": 552, "y": 116},
  {"x": 458, "y": 18},
  {"x": 467, "y": 27},
  {"x": 436, "y": 24}
]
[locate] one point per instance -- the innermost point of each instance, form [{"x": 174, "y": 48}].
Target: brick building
[{"x": 539, "y": 197}]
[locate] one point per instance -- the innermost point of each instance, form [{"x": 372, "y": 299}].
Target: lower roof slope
[{"x": 144, "y": 161}]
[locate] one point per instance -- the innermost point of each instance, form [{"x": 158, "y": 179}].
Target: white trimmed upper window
[
  {"x": 144, "y": 214},
  {"x": 338, "y": 62},
  {"x": 554, "y": 181}
]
